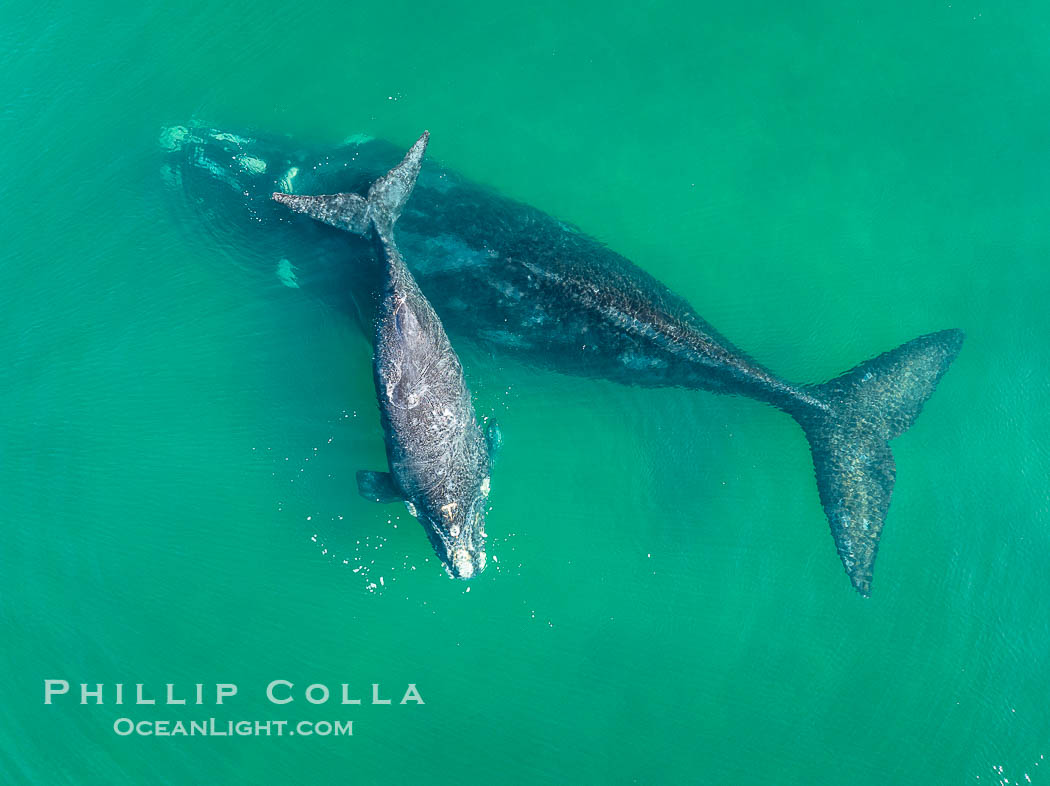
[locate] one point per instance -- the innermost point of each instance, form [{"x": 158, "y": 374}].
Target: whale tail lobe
[
  {"x": 354, "y": 213},
  {"x": 869, "y": 405}
]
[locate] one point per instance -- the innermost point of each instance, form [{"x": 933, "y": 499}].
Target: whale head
[{"x": 455, "y": 525}]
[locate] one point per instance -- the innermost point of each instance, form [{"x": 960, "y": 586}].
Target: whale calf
[
  {"x": 522, "y": 283},
  {"x": 439, "y": 458}
]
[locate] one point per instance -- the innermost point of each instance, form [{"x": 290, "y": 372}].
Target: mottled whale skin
[
  {"x": 438, "y": 455},
  {"x": 520, "y": 282}
]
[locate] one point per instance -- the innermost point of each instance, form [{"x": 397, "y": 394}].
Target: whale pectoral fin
[
  {"x": 494, "y": 437},
  {"x": 378, "y": 486}
]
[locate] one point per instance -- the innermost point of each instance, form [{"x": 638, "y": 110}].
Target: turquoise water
[{"x": 181, "y": 436}]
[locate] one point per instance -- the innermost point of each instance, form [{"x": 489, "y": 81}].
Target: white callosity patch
[
  {"x": 287, "y": 180},
  {"x": 175, "y": 137},
  {"x": 255, "y": 166},
  {"x": 286, "y": 273},
  {"x": 223, "y": 136},
  {"x": 464, "y": 567},
  {"x": 485, "y": 486},
  {"x": 411, "y": 509}
]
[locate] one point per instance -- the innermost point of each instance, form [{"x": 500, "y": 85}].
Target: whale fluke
[
  {"x": 346, "y": 211},
  {"x": 388, "y": 194},
  {"x": 868, "y": 406},
  {"x": 355, "y": 213}
]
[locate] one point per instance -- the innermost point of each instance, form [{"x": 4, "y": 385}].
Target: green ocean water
[{"x": 823, "y": 182}]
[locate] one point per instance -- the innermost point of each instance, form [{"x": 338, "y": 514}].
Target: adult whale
[{"x": 517, "y": 280}]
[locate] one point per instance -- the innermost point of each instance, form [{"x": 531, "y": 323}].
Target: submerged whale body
[{"x": 519, "y": 281}]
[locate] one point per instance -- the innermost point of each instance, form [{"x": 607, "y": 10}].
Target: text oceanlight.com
[{"x": 217, "y": 728}]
